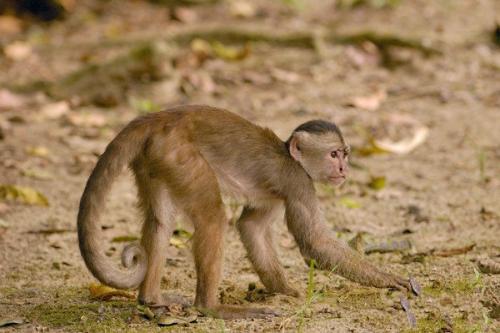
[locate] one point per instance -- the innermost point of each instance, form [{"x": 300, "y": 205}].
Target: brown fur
[{"x": 184, "y": 159}]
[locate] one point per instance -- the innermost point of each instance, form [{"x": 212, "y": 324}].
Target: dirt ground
[{"x": 70, "y": 85}]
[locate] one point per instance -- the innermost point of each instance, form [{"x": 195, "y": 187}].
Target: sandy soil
[{"x": 443, "y": 195}]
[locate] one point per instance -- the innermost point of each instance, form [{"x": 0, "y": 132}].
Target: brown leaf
[
  {"x": 50, "y": 231},
  {"x": 489, "y": 266},
  {"x": 370, "y": 102},
  {"x": 11, "y": 322},
  {"x": 88, "y": 119},
  {"x": 285, "y": 76},
  {"x": 386, "y": 247},
  {"x": 242, "y": 9},
  {"x": 200, "y": 81},
  {"x": 402, "y": 134},
  {"x": 184, "y": 15},
  {"x": 403, "y": 146},
  {"x": 367, "y": 54},
  {"x": 105, "y": 293},
  {"x": 453, "y": 252},
  {"x": 166, "y": 320},
  {"x": 54, "y": 110},
  {"x": 122, "y": 239},
  {"x": 18, "y": 51},
  {"x": 10, "y": 100},
  {"x": 10, "y": 25}
]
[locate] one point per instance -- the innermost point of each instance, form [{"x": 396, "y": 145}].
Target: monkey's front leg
[
  {"x": 254, "y": 226},
  {"x": 317, "y": 242},
  {"x": 208, "y": 248},
  {"x": 344, "y": 261}
]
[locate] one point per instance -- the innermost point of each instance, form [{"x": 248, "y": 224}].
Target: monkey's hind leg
[
  {"x": 254, "y": 226},
  {"x": 195, "y": 187},
  {"x": 158, "y": 211}
]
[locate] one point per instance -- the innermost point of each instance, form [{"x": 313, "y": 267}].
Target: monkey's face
[{"x": 324, "y": 157}]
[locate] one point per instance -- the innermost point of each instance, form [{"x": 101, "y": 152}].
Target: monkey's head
[{"x": 320, "y": 148}]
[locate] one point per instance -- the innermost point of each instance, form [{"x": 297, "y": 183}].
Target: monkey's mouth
[{"x": 337, "y": 180}]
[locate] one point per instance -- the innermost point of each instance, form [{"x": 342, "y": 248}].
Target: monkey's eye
[{"x": 334, "y": 154}]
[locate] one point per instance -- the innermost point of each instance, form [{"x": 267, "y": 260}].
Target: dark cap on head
[{"x": 316, "y": 126}]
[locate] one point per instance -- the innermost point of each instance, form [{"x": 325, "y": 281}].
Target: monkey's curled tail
[{"x": 118, "y": 154}]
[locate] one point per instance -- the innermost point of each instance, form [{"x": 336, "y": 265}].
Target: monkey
[{"x": 184, "y": 159}]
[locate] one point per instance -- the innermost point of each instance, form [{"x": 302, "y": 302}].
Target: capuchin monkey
[{"x": 184, "y": 159}]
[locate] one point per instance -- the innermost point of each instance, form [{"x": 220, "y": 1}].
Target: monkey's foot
[
  {"x": 237, "y": 312},
  {"x": 286, "y": 290},
  {"x": 167, "y": 301}
]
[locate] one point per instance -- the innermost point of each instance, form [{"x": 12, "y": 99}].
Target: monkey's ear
[{"x": 295, "y": 147}]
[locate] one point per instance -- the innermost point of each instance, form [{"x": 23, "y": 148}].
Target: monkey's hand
[{"x": 388, "y": 280}]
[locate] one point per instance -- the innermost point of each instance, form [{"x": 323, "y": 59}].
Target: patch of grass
[
  {"x": 455, "y": 325},
  {"x": 71, "y": 311},
  {"x": 465, "y": 285},
  {"x": 361, "y": 298},
  {"x": 312, "y": 296},
  {"x": 481, "y": 159}
]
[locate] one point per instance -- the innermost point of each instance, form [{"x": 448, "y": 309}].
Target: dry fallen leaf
[
  {"x": 38, "y": 151},
  {"x": 123, "y": 239},
  {"x": 453, "y": 251},
  {"x": 166, "y": 320},
  {"x": 18, "y": 51},
  {"x": 243, "y": 9},
  {"x": 3, "y": 224},
  {"x": 285, "y": 76},
  {"x": 404, "y": 146},
  {"x": 22, "y": 194},
  {"x": 201, "y": 48},
  {"x": 349, "y": 202},
  {"x": 11, "y": 322},
  {"x": 366, "y": 54},
  {"x": 104, "y": 293},
  {"x": 90, "y": 119},
  {"x": 200, "y": 81},
  {"x": 36, "y": 173},
  {"x": 10, "y": 100},
  {"x": 54, "y": 110},
  {"x": 370, "y": 102},
  {"x": 184, "y": 14},
  {"x": 489, "y": 266},
  {"x": 386, "y": 247},
  {"x": 10, "y": 25}
]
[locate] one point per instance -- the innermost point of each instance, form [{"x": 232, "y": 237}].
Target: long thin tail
[{"x": 124, "y": 148}]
